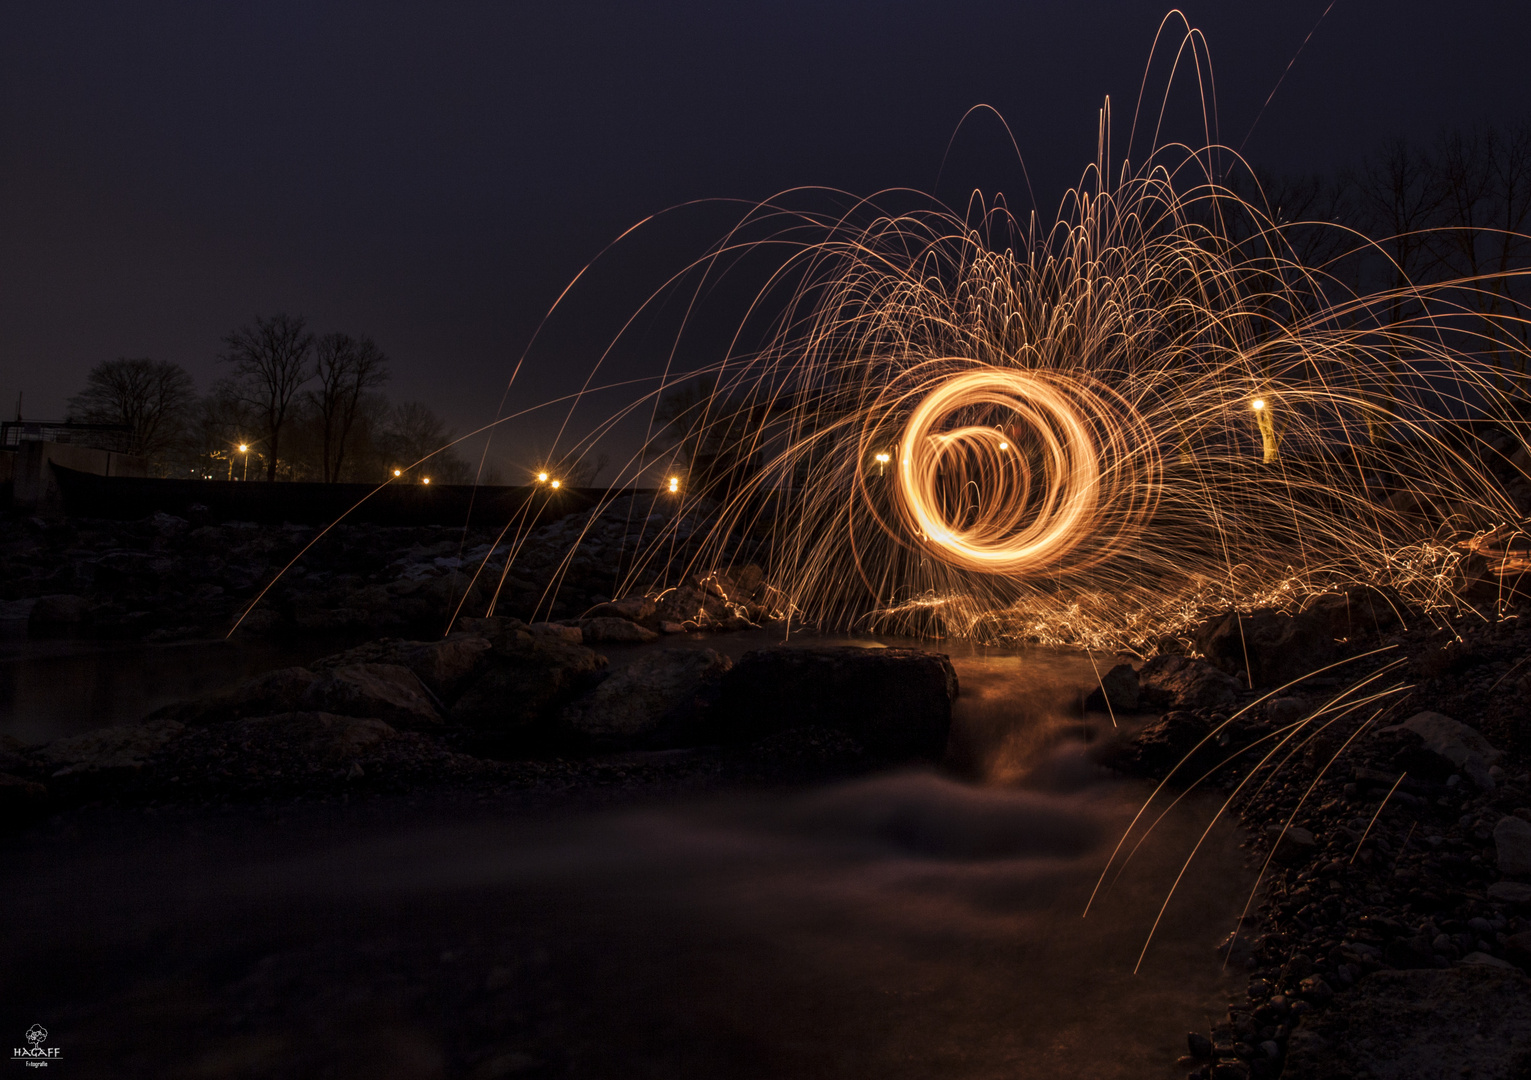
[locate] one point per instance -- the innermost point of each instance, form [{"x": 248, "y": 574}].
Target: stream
[{"x": 911, "y": 923}]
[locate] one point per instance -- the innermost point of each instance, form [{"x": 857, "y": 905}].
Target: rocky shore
[
  {"x": 169, "y": 578},
  {"x": 1380, "y": 760},
  {"x": 1389, "y": 802}
]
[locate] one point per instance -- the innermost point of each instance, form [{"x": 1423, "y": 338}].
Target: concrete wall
[{"x": 34, "y": 486}]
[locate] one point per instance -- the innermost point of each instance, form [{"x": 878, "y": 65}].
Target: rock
[
  {"x": 1512, "y": 845},
  {"x": 525, "y": 681},
  {"x": 1315, "y": 989},
  {"x": 1510, "y": 892},
  {"x": 895, "y": 702},
  {"x": 125, "y": 748},
  {"x": 20, "y": 797},
  {"x": 1176, "y": 682},
  {"x": 665, "y": 689},
  {"x": 1349, "y": 615},
  {"x": 16, "y": 610},
  {"x": 1281, "y": 711},
  {"x": 1273, "y": 647},
  {"x": 1455, "y": 746},
  {"x": 1160, "y": 746},
  {"x": 1230, "y": 1070},
  {"x": 383, "y": 691},
  {"x": 1199, "y": 1045},
  {"x": 1487, "y": 960},
  {"x": 272, "y": 692},
  {"x": 609, "y": 629},
  {"x": 1118, "y": 691},
  {"x": 1406, "y": 953},
  {"x": 1425, "y": 1025},
  {"x": 570, "y": 634},
  {"x": 632, "y": 608},
  {"x": 56, "y": 614},
  {"x": 1293, "y": 845},
  {"x": 444, "y": 666},
  {"x": 312, "y": 737}
]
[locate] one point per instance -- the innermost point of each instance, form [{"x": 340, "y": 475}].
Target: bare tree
[
  {"x": 152, "y": 397},
  {"x": 270, "y": 360},
  {"x": 347, "y": 368},
  {"x": 1485, "y": 179},
  {"x": 412, "y": 431}
]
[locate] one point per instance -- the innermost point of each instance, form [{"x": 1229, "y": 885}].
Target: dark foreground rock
[
  {"x": 662, "y": 697},
  {"x": 895, "y": 702},
  {"x": 1473, "y": 1020},
  {"x": 1270, "y": 648}
]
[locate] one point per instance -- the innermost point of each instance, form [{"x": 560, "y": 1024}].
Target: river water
[{"x": 914, "y": 923}]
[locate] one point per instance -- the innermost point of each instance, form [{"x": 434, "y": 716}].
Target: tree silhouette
[{"x": 270, "y": 360}]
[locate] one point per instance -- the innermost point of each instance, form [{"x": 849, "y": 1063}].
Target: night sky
[{"x": 432, "y": 174}]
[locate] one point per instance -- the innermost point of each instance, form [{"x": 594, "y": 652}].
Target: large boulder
[
  {"x": 312, "y": 738},
  {"x": 1158, "y": 747},
  {"x": 1512, "y": 846},
  {"x": 386, "y": 692},
  {"x": 1118, "y": 691},
  {"x": 119, "y": 749},
  {"x": 1178, "y": 682},
  {"x": 57, "y": 615},
  {"x": 615, "y": 631},
  {"x": 895, "y": 702},
  {"x": 445, "y": 666},
  {"x": 662, "y": 691},
  {"x": 631, "y": 608},
  {"x": 525, "y": 680},
  {"x": 1435, "y": 744},
  {"x": 274, "y": 691},
  {"x": 1275, "y": 648},
  {"x": 1429, "y": 1024}
]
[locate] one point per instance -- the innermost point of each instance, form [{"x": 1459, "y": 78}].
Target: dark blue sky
[{"x": 431, "y": 174}]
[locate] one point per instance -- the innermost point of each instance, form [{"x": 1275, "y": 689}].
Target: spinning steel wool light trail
[{"x": 1094, "y": 432}]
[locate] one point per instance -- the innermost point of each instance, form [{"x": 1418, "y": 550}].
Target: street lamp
[
  {"x": 882, "y": 459},
  {"x": 557, "y": 484},
  {"x": 425, "y": 480},
  {"x": 542, "y": 478},
  {"x": 244, "y": 448},
  {"x": 398, "y": 472},
  {"x": 674, "y": 484}
]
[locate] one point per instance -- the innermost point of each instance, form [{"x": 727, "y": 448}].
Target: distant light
[
  {"x": 674, "y": 484},
  {"x": 1257, "y": 404},
  {"x": 1004, "y": 446},
  {"x": 883, "y": 458},
  {"x": 398, "y": 472},
  {"x": 425, "y": 480},
  {"x": 243, "y": 448},
  {"x": 558, "y": 483},
  {"x": 542, "y": 478}
]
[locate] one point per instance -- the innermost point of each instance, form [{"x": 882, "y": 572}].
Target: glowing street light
[
  {"x": 398, "y": 472},
  {"x": 542, "y": 478},
  {"x": 674, "y": 484},
  {"x": 882, "y": 458},
  {"x": 425, "y": 480},
  {"x": 1004, "y": 445},
  {"x": 244, "y": 448},
  {"x": 1258, "y": 404},
  {"x": 557, "y": 484}
]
